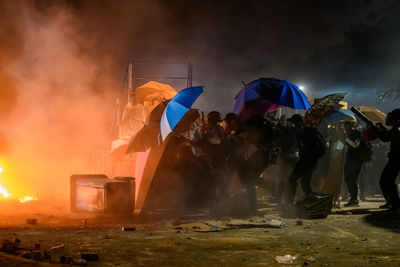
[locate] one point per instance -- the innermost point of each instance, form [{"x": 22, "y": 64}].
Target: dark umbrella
[
  {"x": 322, "y": 108},
  {"x": 147, "y": 137},
  {"x": 275, "y": 91}
]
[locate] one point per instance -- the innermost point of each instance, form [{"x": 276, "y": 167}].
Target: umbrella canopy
[
  {"x": 257, "y": 107},
  {"x": 154, "y": 91},
  {"x": 177, "y": 108},
  {"x": 278, "y": 92},
  {"x": 322, "y": 108},
  {"x": 147, "y": 136},
  {"x": 372, "y": 113},
  {"x": 118, "y": 148},
  {"x": 340, "y": 115}
]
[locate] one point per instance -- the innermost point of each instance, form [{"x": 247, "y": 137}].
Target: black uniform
[
  {"x": 306, "y": 165},
  {"x": 353, "y": 164},
  {"x": 392, "y": 168}
]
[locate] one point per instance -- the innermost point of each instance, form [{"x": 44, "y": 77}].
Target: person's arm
[
  {"x": 352, "y": 143},
  {"x": 354, "y": 139}
]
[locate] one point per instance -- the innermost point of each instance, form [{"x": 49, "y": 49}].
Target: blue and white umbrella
[{"x": 177, "y": 108}]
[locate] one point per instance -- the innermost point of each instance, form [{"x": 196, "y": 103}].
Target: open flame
[
  {"x": 6, "y": 194},
  {"x": 3, "y": 191},
  {"x": 26, "y": 199}
]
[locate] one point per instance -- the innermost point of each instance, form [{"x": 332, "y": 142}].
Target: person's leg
[
  {"x": 292, "y": 182},
  {"x": 383, "y": 183},
  {"x": 309, "y": 168},
  {"x": 252, "y": 197},
  {"x": 363, "y": 182},
  {"x": 352, "y": 171},
  {"x": 388, "y": 179}
]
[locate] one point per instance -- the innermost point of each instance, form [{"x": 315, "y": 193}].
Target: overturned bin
[{"x": 98, "y": 193}]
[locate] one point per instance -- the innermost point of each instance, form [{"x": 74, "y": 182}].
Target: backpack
[{"x": 314, "y": 142}]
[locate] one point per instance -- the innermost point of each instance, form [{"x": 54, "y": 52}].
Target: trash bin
[{"x": 98, "y": 193}]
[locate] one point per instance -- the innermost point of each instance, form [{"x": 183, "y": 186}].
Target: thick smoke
[{"x": 55, "y": 99}]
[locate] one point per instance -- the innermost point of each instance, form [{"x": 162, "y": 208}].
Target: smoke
[
  {"x": 61, "y": 64},
  {"x": 55, "y": 99}
]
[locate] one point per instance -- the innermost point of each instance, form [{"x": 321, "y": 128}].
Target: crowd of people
[{"x": 218, "y": 149}]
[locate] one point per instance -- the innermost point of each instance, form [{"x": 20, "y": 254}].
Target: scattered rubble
[
  {"x": 90, "y": 256},
  {"x": 57, "y": 247},
  {"x": 128, "y": 228},
  {"x": 217, "y": 226},
  {"x": 10, "y": 247},
  {"x": 287, "y": 259}
]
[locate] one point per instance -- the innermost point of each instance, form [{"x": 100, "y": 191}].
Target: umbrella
[
  {"x": 257, "y": 107},
  {"x": 177, "y": 108},
  {"x": 340, "y": 115},
  {"x": 322, "y": 108},
  {"x": 118, "y": 148},
  {"x": 372, "y": 113},
  {"x": 147, "y": 136},
  {"x": 278, "y": 92},
  {"x": 154, "y": 91}
]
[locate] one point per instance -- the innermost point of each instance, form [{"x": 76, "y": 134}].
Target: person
[
  {"x": 392, "y": 168},
  {"x": 354, "y": 159},
  {"x": 253, "y": 154},
  {"x": 213, "y": 147},
  {"x": 311, "y": 147},
  {"x": 288, "y": 157}
]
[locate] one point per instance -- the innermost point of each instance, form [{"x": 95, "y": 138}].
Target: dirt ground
[{"x": 362, "y": 236}]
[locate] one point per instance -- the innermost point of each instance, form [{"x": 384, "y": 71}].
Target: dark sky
[{"x": 328, "y": 46}]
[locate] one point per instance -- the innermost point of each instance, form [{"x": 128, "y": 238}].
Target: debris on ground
[
  {"x": 66, "y": 259},
  {"x": 90, "y": 256},
  {"x": 9, "y": 247},
  {"x": 57, "y": 247},
  {"x": 217, "y": 226},
  {"x": 33, "y": 255},
  {"x": 79, "y": 262},
  {"x": 256, "y": 222},
  {"x": 128, "y": 228},
  {"x": 287, "y": 259}
]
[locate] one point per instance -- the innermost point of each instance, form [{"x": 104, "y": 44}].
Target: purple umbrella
[{"x": 275, "y": 91}]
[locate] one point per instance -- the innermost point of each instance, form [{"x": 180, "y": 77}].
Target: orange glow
[
  {"x": 4, "y": 192},
  {"x": 26, "y": 199}
]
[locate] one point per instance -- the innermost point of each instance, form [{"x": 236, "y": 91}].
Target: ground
[{"x": 362, "y": 236}]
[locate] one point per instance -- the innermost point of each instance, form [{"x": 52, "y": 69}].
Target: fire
[
  {"x": 6, "y": 194},
  {"x": 3, "y": 191},
  {"x": 26, "y": 199}
]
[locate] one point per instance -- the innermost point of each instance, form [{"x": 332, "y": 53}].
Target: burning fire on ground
[{"x": 6, "y": 195}]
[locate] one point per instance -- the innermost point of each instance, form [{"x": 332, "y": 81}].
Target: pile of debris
[
  {"x": 55, "y": 254},
  {"x": 229, "y": 224}
]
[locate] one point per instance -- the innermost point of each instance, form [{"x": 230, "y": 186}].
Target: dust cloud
[{"x": 55, "y": 99}]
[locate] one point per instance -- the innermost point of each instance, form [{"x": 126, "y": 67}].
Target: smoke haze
[
  {"x": 55, "y": 100},
  {"x": 61, "y": 66}
]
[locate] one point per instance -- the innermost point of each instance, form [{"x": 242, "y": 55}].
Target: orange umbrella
[
  {"x": 372, "y": 113},
  {"x": 151, "y": 91}
]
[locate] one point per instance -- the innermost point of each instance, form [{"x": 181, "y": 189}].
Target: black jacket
[{"x": 392, "y": 136}]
